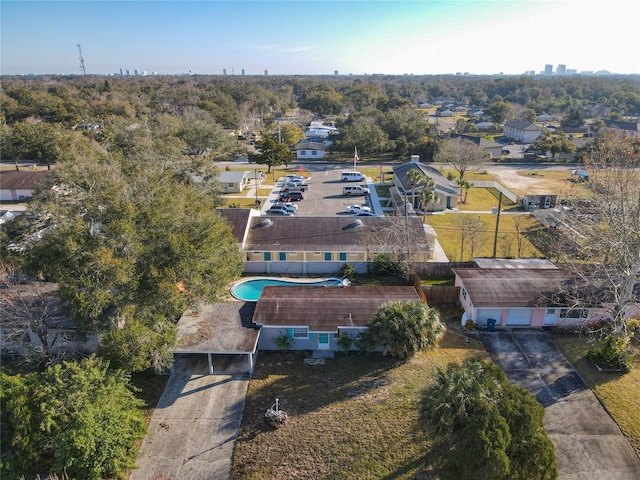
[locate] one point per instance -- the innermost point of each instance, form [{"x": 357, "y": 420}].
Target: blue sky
[{"x": 318, "y": 37}]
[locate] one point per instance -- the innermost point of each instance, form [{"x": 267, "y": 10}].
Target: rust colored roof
[
  {"x": 351, "y": 234},
  {"x": 520, "y": 287},
  {"x": 12, "y": 180},
  {"x": 325, "y": 309}
]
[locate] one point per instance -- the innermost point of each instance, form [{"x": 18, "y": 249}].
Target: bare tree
[
  {"x": 471, "y": 235},
  {"x": 463, "y": 155},
  {"x": 607, "y": 228},
  {"x": 30, "y": 313}
]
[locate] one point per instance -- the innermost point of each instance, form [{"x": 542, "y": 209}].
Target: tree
[
  {"x": 463, "y": 155},
  {"x": 79, "y": 418},
  {"x": 405, "y": 328},
  {"x": 471, "y": 235},
  {"x": 416, "y": 178},
  {"x": 498, "y": 111},
  {"x": 488, "y": 428},
  {"x": 608, "y": 232},
  {"x": 466, "y": 186},
  {"x": 271, "y": 153},
  {"x": 364, "y": 133},
  {"x": 573, "y": 120},
  {"x": 426, "y": 196},
  {"x": 131, "y": 245}
]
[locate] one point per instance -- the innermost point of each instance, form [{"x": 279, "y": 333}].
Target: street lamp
[{"x": 255, "y": 181}]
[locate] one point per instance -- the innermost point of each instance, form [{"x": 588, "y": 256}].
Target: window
[
  {"x": 314, "y": 152},
  {"x": 327, "y": 256},
  {"x": 267, "y": 256},
  {"x": 551, "y": 311},
  {"x": 231, "y": 185},
  {"x": 343, "y": 257},
  {"x": 317, "y": 253},
  {"x": 464, "y": 293},
  {"x": 282, "y": 256},
  {"x": 303, "y": 152},
  {"x": 574, "y": 313},
  {"x": 301, "y": 332}
]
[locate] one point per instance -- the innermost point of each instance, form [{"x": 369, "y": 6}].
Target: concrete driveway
[
  {"x": 194, "y": 428},
  {"x": 588, "y": 443}
]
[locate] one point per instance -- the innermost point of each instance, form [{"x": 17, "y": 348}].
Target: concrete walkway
[
  {"x": 588, "y": 443},
  {"x": 194, "y": 428}
]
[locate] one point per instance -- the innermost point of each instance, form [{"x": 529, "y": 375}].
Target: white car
[
  {"x": 353, "y": 209},
  {"x": 290, "y": 206}
]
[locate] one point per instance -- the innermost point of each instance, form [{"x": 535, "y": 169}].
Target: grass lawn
[
  {"x": 620, "y": 394},
  {"x": 448, "y": 229},
  {"x": 484, "y": 199},
  {"x": 356, "y": 416}
]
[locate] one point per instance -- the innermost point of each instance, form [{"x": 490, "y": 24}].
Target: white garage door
[
  {"x": 519, "y": 316},
  {"x": 483, "y": 313}
]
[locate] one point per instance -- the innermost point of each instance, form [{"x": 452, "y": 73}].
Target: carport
[{"x": 223, "y": 328}]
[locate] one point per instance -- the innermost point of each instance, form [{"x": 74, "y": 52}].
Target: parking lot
[{"x": 324, "y": 197}]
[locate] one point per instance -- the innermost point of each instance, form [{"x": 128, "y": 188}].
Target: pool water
[{"x": 250, "y": 290}]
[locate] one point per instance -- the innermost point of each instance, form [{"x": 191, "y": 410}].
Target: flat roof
[{"x": 218, "y": 329}]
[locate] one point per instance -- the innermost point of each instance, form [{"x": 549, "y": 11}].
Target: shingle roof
[
  {"x": 237, "y": 218},
  {"x": 519, "y": 287},
  {"x": 325, "y": 308},
  {"x": 528, "y": 126},
  {"x": 480, "y": 141},
  {"x": 12, "y": 180},
  {"x": 346, "y": 234},
  {"x": 232, "y": 176},
  {"x": 442, "y": 184}
]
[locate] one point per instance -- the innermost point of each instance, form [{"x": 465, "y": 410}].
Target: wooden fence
[
  {"x": 441, "y": 294},
  {"x": 440, "y": 269}
]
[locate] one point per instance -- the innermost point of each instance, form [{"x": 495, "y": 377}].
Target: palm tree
[
  {"x": 403, "y": 329},
  {"x": 426, "y": 196},
  {"x": 416, "y": 177},
  {"x": 466, "y": 185}
]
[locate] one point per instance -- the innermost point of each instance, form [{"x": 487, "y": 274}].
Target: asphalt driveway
[
  {"x": 194, "y": 428},
  {"x": 588, "y": 443}
]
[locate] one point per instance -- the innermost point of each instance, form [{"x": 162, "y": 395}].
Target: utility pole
[
  {"x": 495, "y": 238},
  {"x": 81, "y": 60}
]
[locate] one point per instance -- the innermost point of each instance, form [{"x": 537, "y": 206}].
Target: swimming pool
[{"x": 250, "y": 290}]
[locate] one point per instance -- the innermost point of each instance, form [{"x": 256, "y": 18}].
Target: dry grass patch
[
  {"x": 449, "y": 235},
  {"x": 484, "y": 199},
  {"x": 619, "y": 393},
  {"x": 356, "y": 416}
]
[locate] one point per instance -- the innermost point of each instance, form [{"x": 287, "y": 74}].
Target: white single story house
[
  {"x": 235, "y": 182},
  {"x": 494, "y": 148},
  {"x": 523, "y": 132},
  {"x": 310, "y": 150},
  {"x": 17, "y": 186}
]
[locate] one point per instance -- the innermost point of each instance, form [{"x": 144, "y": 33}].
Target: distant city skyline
[{"x": 478, "y": 37}]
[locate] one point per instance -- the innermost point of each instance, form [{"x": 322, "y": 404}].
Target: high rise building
[
  {"x": 335, "y": 72},
  {"x": 561, "y": 70},
  {"x": 224, "y": 72},
  {"x": 548, "y": 69},
  {"x": 266, "y": 72},
  {"x": 242, "y": 72}
]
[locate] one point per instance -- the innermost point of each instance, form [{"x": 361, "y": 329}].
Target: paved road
[{"x": 588, "y": 443}]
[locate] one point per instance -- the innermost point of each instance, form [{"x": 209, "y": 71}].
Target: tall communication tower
[{"x": 81, "y": 60}]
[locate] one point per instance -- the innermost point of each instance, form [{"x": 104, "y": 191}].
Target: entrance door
[
  {"x": 550, "y": 316},
  {"x": 323, "y": 341}
]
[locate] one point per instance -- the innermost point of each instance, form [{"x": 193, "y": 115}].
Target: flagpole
[{"x": 355, "y": 157}]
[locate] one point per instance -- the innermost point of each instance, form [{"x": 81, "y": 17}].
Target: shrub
[
  {"x": 612, "y": 352},
  {"x": 347, "y": 271},
  {"x": 283, "y": 341},
  {"x": 470, "y": 325},
  {"x": 389, "y": 264},
  {"x": 344, "y": 341}
]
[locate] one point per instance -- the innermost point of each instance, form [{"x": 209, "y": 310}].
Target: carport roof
[
  {"x": 507, "y": 287},
  {"x": 325, "y": 309},
  {"x": 217, "y": 328}
]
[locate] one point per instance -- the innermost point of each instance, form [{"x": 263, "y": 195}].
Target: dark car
[{"x": 291, "y": 196}]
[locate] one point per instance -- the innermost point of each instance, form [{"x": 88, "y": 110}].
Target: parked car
[
  {"x": 506, "y": 151},
  {"x": 279, "y": 211},
  {"x": 291, "y": 196},
  {"x": 294, "y": 186},
  {"x": 354, "y": 190},
  {"x": 353, "y": 209},
  {"x": 292, "y": 206},
  {"x": 284, "y": 207}
]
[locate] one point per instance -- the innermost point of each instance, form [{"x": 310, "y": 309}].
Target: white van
[
  {"x": 353, "y": 190},
  {"x": 352, "y": 177}
]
